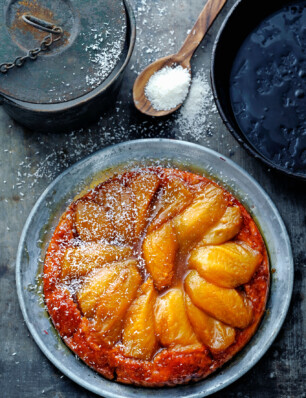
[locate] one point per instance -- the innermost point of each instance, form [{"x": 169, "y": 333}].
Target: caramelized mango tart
[{"x": 156, "y": 277}]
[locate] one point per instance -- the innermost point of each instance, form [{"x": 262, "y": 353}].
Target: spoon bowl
[
  {"x": 141, "y": 101},
  {"x": 182, "y": 58}
]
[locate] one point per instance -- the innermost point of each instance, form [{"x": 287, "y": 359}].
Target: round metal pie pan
[{"x": 46, "y": 213}]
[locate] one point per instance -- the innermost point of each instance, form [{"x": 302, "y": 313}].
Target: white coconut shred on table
[
  {"x": 168, "y": 87},
  {"x": 196, "y": 114}
]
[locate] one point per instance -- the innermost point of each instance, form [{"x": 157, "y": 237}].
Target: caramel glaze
[{"x": 168, "y": 366}]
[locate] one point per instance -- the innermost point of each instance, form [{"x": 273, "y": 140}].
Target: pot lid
[{"x": 91, "y": 46}]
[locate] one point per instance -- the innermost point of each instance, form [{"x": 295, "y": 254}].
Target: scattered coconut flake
[
  {"x": 198, "y": 109},
  {"x": 198, "y": 96},
  {"x": 105, "y": 56},
  {"x": 168, "y": 87}
]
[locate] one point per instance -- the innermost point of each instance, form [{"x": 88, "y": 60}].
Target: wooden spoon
[{"x": 182, "y": 57}]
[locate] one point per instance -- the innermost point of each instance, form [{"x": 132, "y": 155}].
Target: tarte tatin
[{"x": 156, "y": 277}]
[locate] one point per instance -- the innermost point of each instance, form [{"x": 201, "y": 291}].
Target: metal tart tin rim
[{"x": 224, "y": 171}]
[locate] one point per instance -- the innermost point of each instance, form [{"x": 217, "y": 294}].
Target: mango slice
[
  {"x": 171, "y": 321},
  {"x": 103, "y": 282},
  {"x": 226, "y": 228},
  {"x": 92, "y": 222},
  {"x": 175, "y": 198},
  {"x": 226, "y": 305},
  {"x": 228, "y": 265},
  {"x": 115, "y": 301},
  {"x": 214, "y": 334},
  {"x": 139, "y": 339},
  {"x": 79, "y": 261},
  {"x": 207, "y": 208},
  {"x": 119, "y": 202},
  {"x": 159, "y": 251},
  {"x": 95, "y": 285},
  {"x": 144, "y": 187}
]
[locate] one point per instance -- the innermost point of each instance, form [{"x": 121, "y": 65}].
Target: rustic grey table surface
[{"x": 29, "y": 161}]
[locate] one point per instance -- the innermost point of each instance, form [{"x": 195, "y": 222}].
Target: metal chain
[{"x": 32, "y": 54}]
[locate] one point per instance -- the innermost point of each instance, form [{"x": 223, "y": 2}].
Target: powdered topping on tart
[{"x": 156, "y": 277}]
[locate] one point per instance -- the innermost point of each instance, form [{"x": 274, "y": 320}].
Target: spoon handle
[{"x": 205, "y": 20}]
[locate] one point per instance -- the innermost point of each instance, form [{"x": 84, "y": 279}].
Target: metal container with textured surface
[{"x": 78, "y": 76}]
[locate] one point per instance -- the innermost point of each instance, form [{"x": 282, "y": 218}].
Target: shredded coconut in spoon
[{"x": 168, "y": 87}]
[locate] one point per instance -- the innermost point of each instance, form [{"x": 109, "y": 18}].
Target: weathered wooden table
[{"x": 29, "y": 161}]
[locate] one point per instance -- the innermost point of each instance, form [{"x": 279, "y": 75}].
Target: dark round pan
[{"x": 242, "y": 19}]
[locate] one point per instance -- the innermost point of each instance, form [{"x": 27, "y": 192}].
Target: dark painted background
[{"x": 30, "y": 161}]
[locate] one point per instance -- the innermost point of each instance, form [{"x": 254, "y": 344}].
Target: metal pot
[{"x": 78, "y": 77}]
